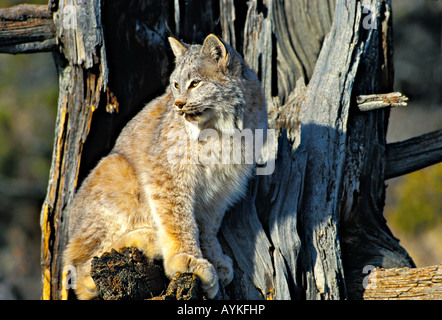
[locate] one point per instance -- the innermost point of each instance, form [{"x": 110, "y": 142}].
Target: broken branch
[
  {"x": 382, "y": 100},
  {"x": 405, "y": 283},
  {"x": 413, "y": 154},
  {"x": 26, "y": 29}
]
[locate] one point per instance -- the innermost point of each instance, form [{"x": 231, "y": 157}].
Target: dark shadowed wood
[
  {"x": 366, "y": 238},
  {"x": 413, "y": 154}
]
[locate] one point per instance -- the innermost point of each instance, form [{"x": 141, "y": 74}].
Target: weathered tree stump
[
  {"x": 183, "y": 287},
  {"x": 127, "y": 274}
]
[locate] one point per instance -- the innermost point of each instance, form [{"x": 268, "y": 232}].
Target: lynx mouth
[{"x": 191, "y": 114}]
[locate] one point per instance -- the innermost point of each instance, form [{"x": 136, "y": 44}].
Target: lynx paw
[
  {"x": 185, "y": 263},
  {"x": 224, "y": 267}
]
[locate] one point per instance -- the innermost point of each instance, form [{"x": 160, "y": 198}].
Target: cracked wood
[
  {"x": 26, "y": 29},
  {"x": 405, "y": 284}
]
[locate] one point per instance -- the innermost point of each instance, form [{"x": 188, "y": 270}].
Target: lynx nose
[{"x": 179, "y": 104}]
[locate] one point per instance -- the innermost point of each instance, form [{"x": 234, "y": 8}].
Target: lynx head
[{"x": 209, "y": 83}]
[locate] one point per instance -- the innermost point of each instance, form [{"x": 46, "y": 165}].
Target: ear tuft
[{"x": 177, "y": 46}]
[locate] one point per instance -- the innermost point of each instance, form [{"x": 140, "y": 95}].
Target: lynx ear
[
  {"x": 214, "y": 47},
  {"x": 219, "y": 51},
  {"x": 178, "y": 47}
]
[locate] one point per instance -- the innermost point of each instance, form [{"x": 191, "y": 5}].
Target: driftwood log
[{"x": 308, "y": 230}]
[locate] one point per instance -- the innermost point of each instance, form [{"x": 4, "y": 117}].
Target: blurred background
[
  {"x": 28, "y": 107},
  {"x": 414, "y": 202}
]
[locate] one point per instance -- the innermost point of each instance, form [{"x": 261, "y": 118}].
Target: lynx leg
[
  {"x": 142, "y": 239},
  {"x": 85, "y": 285},
  {"x": 179, "y": 243},
  {"x": 98, "y": 217},
  {"x": 183, "y": 257},
  {"x": 76, "y": 272},
  {"x": 209, "y": 226},
  {"x": 185, "y": 263},
  {"x": 212, "y": 250}
]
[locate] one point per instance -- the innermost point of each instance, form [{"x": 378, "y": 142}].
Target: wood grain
[
  {"x": 82, "y": 69},
  {"x": 405, "y": 284},
  {"x": 413, "y": 154},
  {"x": 26, "y": 29}
]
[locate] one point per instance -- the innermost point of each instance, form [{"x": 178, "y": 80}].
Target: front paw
[
  {"x": 185, "y": 263},
  {"x": 224, "y": 267}
]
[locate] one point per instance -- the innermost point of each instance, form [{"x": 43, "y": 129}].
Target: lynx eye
[
  {"x": 193, "y": 84},
  {"x": 176, "y": 85}
]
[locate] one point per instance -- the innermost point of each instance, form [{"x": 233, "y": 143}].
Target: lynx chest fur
[{"x": 174, "y": 170}]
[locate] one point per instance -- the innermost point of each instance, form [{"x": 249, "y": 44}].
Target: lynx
[{"x": 171, "y": 210}]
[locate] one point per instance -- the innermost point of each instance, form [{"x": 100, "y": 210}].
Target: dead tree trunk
[{"x": 308, "y": 230}]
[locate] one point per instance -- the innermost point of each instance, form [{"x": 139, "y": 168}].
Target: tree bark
[
  {"x": 404, "y": 284},
  {"x": 127, "y": 274},
  {"x": 413, "y": 154},
  {"x": 330, "y": 160},
  {"x": 26, "y": 29},
  {"x": 367, "y": 241},
  {"x": 82, "y": 71},
  {"x": 378, "y": 101}
]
